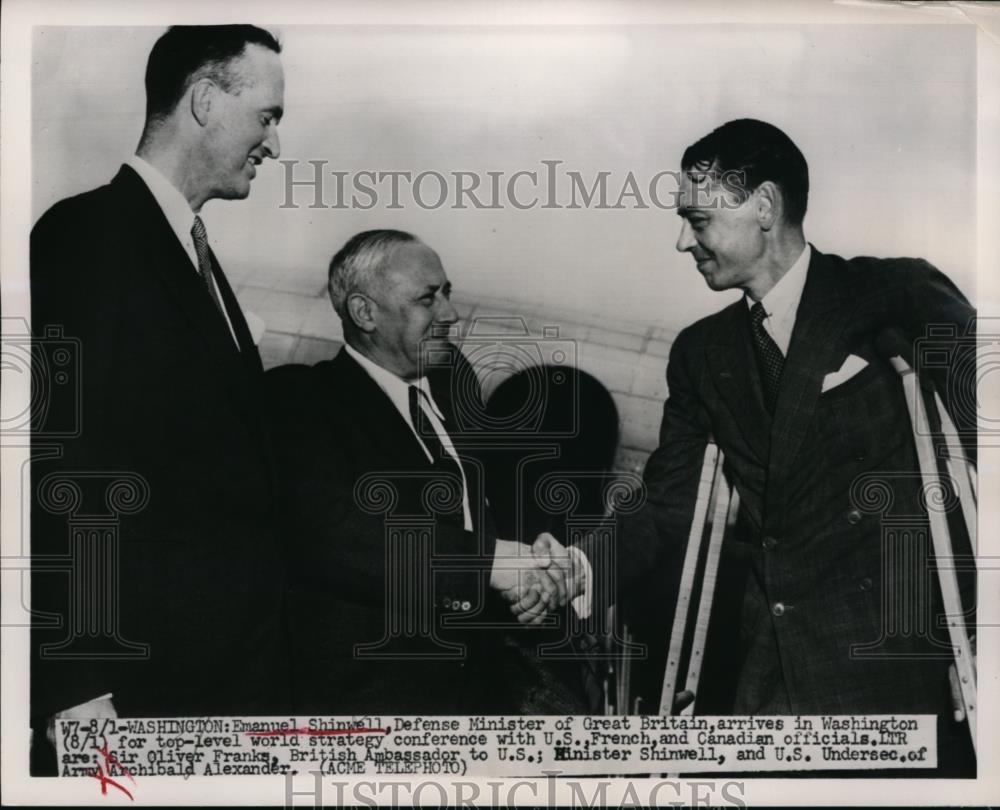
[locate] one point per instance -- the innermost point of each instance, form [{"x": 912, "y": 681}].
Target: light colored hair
[{"x": 359, "y": 266}]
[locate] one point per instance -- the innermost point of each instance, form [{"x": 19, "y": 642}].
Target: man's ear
[
  {"x": 769, "y": 205},
  {"x": 360, "y": 308},
  {"x": 202, "y": 95}
]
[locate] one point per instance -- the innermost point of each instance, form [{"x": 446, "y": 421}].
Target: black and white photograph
[{"x": 565, "y": 403}]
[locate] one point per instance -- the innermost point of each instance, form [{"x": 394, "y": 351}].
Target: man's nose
[
  {"x": 448, "y": 314},
  {"x": 686, "y": 240},
  {"x": 272, "y": 144}
]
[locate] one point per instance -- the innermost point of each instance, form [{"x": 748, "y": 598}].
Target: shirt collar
[
  {"x": 173, "y": 204},
  {"x": 782, "y": 300},
  {"x": 396, "y": 388}
]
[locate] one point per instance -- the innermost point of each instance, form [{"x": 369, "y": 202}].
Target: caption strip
[{"x": 126, "y": 749}]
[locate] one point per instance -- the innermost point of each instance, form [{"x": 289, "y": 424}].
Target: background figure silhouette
[{"x": 553, "y": 422}]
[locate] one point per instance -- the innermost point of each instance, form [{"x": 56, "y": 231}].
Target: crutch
[
  {"x": 618, "y": 676},
  {"x": 940, "y": 535},
  {"x": 714, "y": 497},
  {"x": 962, "y": 471},
  {"x": 727, "y": 504}
]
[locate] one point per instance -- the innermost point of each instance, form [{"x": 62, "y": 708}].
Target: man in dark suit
[
  {"x": 840, "y": 606},
  {"x": 400, "y": 588},
  {"x": 175, "y": 610}
]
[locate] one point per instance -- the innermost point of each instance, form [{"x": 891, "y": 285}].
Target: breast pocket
[{"x": 865, "y": 418}]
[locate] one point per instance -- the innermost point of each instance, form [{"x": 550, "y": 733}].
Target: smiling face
[
  {"x": 243, "y": 127},
  {"x": 721, "y": 233},
  {"x": 413, "y": 310}
]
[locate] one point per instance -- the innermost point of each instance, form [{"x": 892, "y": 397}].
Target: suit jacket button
[
  {"x": 778, "y": 608},
  {"x": 446, "y": 602},
  {"x": 865, "y": 584},
  {"x": 853, "y": 517},
  {"x": 770, "y": 542},
  {"x": 466, "y": 605}
]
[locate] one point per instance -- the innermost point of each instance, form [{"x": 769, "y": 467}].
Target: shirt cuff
[{"x": 108, "y": 696}]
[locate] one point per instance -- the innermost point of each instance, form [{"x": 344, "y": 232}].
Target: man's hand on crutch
[{"x": 682, "y": 700}]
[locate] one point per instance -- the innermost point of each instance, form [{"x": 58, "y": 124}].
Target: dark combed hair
[
  {"x": 747, "y": 153},
  {"x": 187, "y": 52}
]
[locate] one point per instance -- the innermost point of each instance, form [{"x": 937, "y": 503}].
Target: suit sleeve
[
  {"x": 948, "y": 360},
  {"x": 656, "y": 535},
  {"x": 75, "y": 292},
  {"x": 332, "y": 542},
  {"x": 941, "y": 324},
  {"x": 73, "y": 297}
]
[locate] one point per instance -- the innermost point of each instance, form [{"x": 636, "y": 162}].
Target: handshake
[{"x": 539, "y": 578}]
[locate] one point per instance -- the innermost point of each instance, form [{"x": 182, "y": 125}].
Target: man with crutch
[{"x": 842, "y": 610}]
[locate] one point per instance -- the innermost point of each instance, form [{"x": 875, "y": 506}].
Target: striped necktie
[
  {"x": 205, "y": 261},
  {"x": 770, "y": 360}
]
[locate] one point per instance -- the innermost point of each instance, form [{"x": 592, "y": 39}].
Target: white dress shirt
[
  {"x": 179, "y": 215},
  {"x": 398, "y": 391},
  {"x": 782, "y": 301}
]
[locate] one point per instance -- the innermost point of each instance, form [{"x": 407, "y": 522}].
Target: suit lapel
[
  {"x": 819, "y": 321},
  {"x": 731, "y": 363},
  {"x": 160, "y": 251},
  {"x": 378, "y": 419},
  {"x": 375, "y": 415},
  {"x": 248, "y": 350}
]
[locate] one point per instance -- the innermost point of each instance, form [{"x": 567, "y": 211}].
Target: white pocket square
[{"x": 852, "y": 365}]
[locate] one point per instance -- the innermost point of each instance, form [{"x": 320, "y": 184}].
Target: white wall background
[{"x": 886, "y": 116}]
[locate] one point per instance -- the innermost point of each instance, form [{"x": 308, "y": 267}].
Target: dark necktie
[
  {"x": 770, "y": 360},
  {"x": 443, "y": 461},
  {"x": 205, "y": 260}
]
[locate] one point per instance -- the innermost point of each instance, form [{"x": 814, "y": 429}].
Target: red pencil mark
[
  {"x": 108, "y": 757},
  {"x": 107, "y": 780},
  {"x": 316, "y": 732}
]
